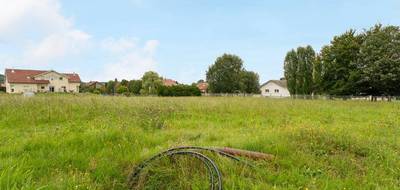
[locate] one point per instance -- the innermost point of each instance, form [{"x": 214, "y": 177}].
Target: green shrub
[
  {"x": 122, "y": 89},
  {"x": 179, "y": 90}
]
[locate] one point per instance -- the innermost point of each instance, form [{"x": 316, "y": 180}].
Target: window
[
  {"x": 51, "y": 88},
  {"x": 276, "y": 90},
  {"x": 267, "y": 90},
  {"x": 42, "y": 87},
  {"x": 61, "y": 78},
  {"x": 12, "y": 89}
]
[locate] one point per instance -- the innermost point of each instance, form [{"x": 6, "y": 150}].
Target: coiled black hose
[{"x": 212, "y": 168}]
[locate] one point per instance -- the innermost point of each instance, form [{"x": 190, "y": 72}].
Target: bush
[
  {"x": 122, "y": 89},
  {"x": 179, "y": 90}
]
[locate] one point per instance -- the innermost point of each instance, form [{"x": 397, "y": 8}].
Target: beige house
[
  {"x": 275, "y": 88},
  {"x": 20, "y": 81}
]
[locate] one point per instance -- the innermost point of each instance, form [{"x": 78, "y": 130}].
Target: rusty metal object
[{"x": 249, "y": 154}]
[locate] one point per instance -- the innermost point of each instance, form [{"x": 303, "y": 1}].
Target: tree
[
  {"x": 224, "y": 75},
  {"x": 339, "y": 60},
  {"x": 317, "y": 75},
  {"x": 124, "y": 82},
  {"x": 110, "y": 86},
  {"x": 249, "y": 82},
  {"x": 151, "y": 81},
  {"x": 135, "y": 86},
  {"x": 379, "y": 61},
  {"x": 306, "y": 58},
  {"x": 290, "y": 68},
  {"x": 298, "y": 66},
  {"x": 200, "y": 81}
]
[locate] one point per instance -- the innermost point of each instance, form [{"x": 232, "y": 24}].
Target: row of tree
[
  {"x": 227, "y": 75},
  {"x": 150, "y": 84},
  {"x": 365, "y": 63}
]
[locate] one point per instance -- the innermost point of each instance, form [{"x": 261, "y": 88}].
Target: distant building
[
  {"x": 275, "y": 88},
  {"x": 203, "y": 87},
  {"x": 169, "y": 82},
  {"x": 21, "y": 81},
  {"x": 95, "y": 84}
]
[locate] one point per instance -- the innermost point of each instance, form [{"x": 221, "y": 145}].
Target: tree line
[
  {"x": 226, "y": 75},
  {"x": 151, "y": 84},
  {"x": 365, "y": 63}
]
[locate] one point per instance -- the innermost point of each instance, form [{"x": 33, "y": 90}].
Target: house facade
[
  {"x": 275, "y": 88},
  {"x": 20, "y": 81}
]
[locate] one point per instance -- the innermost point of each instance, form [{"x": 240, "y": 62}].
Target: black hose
[{"x": 213, "y": 171}]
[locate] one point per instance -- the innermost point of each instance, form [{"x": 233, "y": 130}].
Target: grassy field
[{"x": 93, "y": 142}]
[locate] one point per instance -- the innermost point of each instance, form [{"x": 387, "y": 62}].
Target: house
[
  {"x": 275, "y": 88},
  {"x": 169, "y": 82},
  {"x": 203, "y": 87},
  {"x": 20, "y": 81},
  {"x": 96, "y": 84}
]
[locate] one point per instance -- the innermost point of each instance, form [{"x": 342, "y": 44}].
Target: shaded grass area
[{"x": 93, "y": 142}]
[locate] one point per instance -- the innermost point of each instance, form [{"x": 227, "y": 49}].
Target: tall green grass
[{"x": 93, "y": 142}]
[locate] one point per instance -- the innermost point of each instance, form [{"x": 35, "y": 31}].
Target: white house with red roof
[{"x": 20, "y": 81}]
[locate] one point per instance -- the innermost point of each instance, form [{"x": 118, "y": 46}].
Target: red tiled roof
[
  {"x": 169, "y": 82},
  {"x": 73, "y": 78},
  {"x": 26, "y": 76},
  {"x": 202, "y": 86}
]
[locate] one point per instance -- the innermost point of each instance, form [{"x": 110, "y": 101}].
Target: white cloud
[
  {"x": 56, "y": 46},
  {"x": 132, "y": 59},
  {"x": 40, "y": 30},
  {"x": 151, "y": 46},
  {"x": 119, "y": 45}
]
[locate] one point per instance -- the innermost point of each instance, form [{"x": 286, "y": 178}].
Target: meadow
[{"x": 94, "y": 142}]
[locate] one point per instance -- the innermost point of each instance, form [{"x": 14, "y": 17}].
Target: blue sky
[{"x": 179, "y": 39}]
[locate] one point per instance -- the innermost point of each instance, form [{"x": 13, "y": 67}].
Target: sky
[{"x": 102, "y": 40}]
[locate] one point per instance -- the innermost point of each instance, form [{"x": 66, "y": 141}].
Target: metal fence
[{"x": 310, "y": 97}]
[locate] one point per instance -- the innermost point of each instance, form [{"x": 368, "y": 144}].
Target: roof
[
  {"x": 281, "y": 83},
  {"x": 169, "y": 82},
  {"x": 91, "y": 83},
  {"x": 21, "y": 76},
  {"x": 203, "y": 86}
]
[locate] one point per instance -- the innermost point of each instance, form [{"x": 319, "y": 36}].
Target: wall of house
[
  {"x": 21, "y": 88},
  {"x": 74, "y": 87},
  {"x": 271, "y": 86},
  {"x": 56, "y": 80}
]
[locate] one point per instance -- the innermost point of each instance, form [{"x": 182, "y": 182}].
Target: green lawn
[{"x": 93, "y": 142}]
